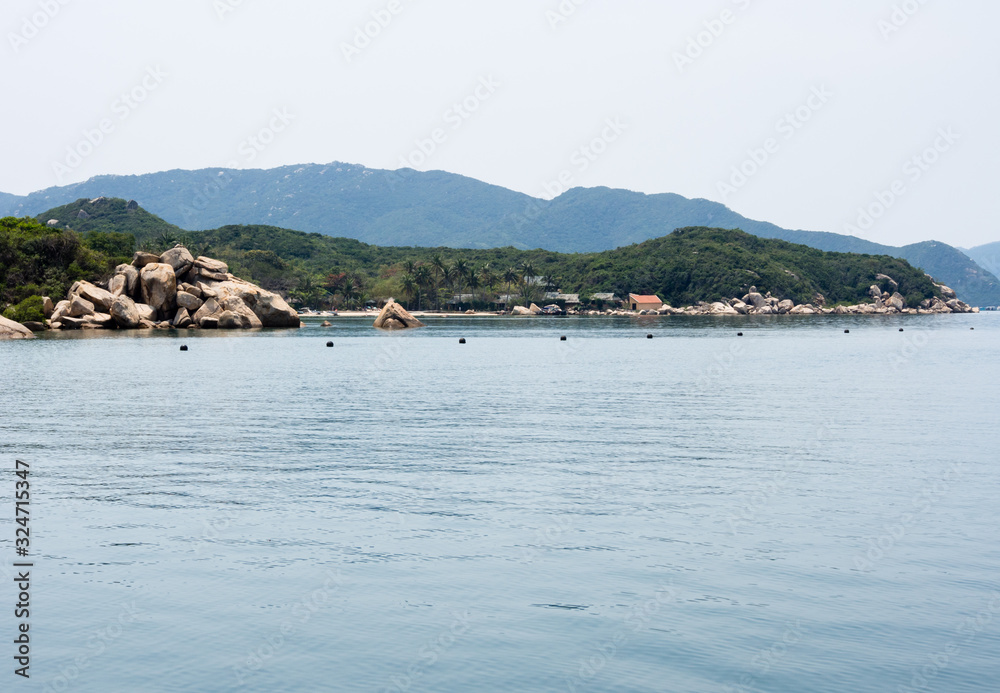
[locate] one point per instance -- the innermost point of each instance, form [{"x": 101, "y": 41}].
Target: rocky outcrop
[
  {"x": 520, "y": 310},
  {"x": 14, "y": 330},
  {"x": 395, "y": 317},
  {"x": 125, "y": 314},
  {"x": 176, "y": 289},
  {"x": 159, "y": 286}
]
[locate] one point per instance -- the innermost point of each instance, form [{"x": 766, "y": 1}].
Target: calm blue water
[{"x": 795, "y": 510}]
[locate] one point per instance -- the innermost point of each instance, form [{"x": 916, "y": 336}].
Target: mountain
[
  {"x": 441, "y": 209},
  {"x": 688, "y": 265},
  {"x": 987, "y": 257}
]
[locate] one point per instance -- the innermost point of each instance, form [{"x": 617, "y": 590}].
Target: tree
[
  {"x": 528, "y": 274},
  {"x": 425, "y": 280},
  {"x": 488, "y": 278},
  {"x": 441, "y": 270},
  {"x": 510, "y": 275},
  {"x": 460, "y": 272},
  {"x": 474, "y": 282},
  {"x": 410, "y": 288}
]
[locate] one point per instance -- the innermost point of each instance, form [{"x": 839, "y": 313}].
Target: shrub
[{"x": 28, "y": 310}]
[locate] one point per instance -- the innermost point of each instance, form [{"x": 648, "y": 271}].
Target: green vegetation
[
  {"x": 689, "y": 265},
  {"x": 37, "y": 260},
  {"x": 28, "y": 310}
]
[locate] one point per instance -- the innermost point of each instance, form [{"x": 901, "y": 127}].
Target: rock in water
[
  {"x": 209, "y": 309},
  {"x": 535, "y": 310},
  {"x": 13, "y": 330},
  {"x": 520, "y": 310},
  {"x": 124, "y": 313},
  {"x": 159, "y": 287},
  {"x": 394, "y": 311}
]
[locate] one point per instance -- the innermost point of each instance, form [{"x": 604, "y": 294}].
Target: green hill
[
  {"x": 689, "y": 265},
  {"x": 433, "y": 209}
]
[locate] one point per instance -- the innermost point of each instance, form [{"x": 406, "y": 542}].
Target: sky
[{"x": 870, "y": 117}]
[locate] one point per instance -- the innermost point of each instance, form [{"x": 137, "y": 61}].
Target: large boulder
[
  {"x": 80, "y": 307},
  {"x": 62, "y": 308},
  {"x": 209, "y": 309},
  {"x": 394, "y": 311},
  {"x": 98, "y": 321},
  {"x": 189, "y": 301},
  {"x": 141, "y": 259},
  {"x": 147, "y": 313},
  {"x": 159, "y": 287},
  {"x": 178, "y": 257},
  {"x": 896, "y": 302},
  {"x": 13, "y": 330},
  {"x": 786, "y": 306},
  {"x": 520, "y": 310},
  {"x": 535, "y": 310},
  {"x": 131, "y": 275},
  {"x": 125, "y": 314},
  {"x": 101, "y": 298},
  {"x": 236, "y": 305},
  {"x": 211, "y": 265},
  {"x": 117, "y": 284},
  {"x": 949, "y": 294},
  {"x": 182, "y": 319},
  {"x": 755, "y": 299},
  {"x": 231, "y": 321},
  {"x": 270, "y": 308},
  {"x": 48, "y": 308}
]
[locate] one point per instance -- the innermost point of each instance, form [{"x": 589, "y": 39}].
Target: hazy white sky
[{"x": 824, "y": 105}]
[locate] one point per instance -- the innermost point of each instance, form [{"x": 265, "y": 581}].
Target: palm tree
[
  {"x": 510, "y": 276},
  {"x": 410, "y": 288},
  {"x": 474, "y": 283},
  {"x": 488, "y": 278},
  {"x": 527, "y": 274},
  {"x": 424, "y": 279},
  {"x": 441, "y": 270},
  {"x": 460, "y": 271}
]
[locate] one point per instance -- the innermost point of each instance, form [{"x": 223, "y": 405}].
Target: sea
[{"x": 691, "y": 504}]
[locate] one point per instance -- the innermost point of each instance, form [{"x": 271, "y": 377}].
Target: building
[
  {"x": 637, "y": 302},
  {"x": 604, "y": 298},
  {"x": 565, "y": 299}
]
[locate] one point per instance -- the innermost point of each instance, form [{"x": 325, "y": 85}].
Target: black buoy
[
  {"x": 900, "y": 329},
  {"x": 739, "y": 334},
  {"x": 847, "y": 332},
  {"x": 462, "y": 340},
  {"x": 329, "y": 344},
  {"x": 184, "y": 347},
  {"x": 563, "y": 338},
  {"x": 973, "y": 329},
  {"x": 649, "y": 336}
]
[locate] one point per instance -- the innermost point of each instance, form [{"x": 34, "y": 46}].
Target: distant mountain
[
  {"x": 433, "y": 209},
  {"x": 987, "y": 256}
]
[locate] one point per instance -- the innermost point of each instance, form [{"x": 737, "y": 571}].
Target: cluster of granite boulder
[{"x": 172, "y": 290}]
